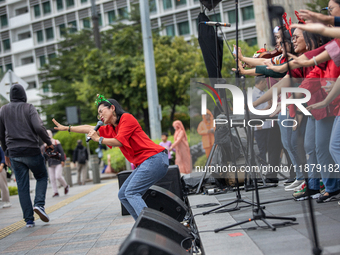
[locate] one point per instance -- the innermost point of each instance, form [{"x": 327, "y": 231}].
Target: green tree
[{"x": 61, "y": 72}]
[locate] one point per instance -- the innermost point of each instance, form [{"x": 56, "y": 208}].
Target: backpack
[{"x": 82, "y": 156}]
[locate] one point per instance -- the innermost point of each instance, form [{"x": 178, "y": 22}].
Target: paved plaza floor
[{"x": 88, "y": 221}]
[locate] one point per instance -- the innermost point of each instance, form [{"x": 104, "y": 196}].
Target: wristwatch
[{"x": 100, "y": 140}]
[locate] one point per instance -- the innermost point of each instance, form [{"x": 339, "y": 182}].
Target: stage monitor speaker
[
  {"x": 171, "y": 181},
  {"x": 145, "y": 242},
  {"x": 166, "y": 202},
  {"x": 163, "y": 224}
]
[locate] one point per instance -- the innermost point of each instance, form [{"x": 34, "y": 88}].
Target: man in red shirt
[{"x": 123, "y": 130}]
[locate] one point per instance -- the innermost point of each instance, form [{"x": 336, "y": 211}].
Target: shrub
[
  {"x": 13, "y": 190},
  {"x": 201, "y": 161}
]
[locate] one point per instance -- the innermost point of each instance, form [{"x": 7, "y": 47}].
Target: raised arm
[
  {"x": 316, "y": 17},
  {"x": 84, "y": 129},
  {"x": 330, "y": 97},
  {"x": 318, "y": 28},
  {"x": 285, "y": 82}
]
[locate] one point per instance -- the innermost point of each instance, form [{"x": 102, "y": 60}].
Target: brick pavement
[{"x": 90, "y": 224}]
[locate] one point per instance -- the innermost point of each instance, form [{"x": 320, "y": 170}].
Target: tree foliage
[{"x": 317, "y": 5}]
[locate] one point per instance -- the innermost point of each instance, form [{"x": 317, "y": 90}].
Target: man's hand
[
  {"x": 49, "y": 147},
  {"x": 1, "y": 167},
  {"x": 62, "y": 163},
  {"x": 8, "y": 162}
]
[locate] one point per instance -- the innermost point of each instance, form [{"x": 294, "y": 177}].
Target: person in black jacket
[
  {"x": 55, "y": 166},
  {"x": 20, "y": 129},
  {"x": 80, "y": 155}
]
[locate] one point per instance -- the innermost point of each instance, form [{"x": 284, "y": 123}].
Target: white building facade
[{"x": 30, "y": 29}]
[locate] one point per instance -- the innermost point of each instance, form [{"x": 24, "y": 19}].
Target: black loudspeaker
[
  {"x": 166, "y": 202},
  {"x": 163, "y": 224},
  {"x": 122, "y": 176},
  {"x": 171, "y": 181},
  {"x": 145, "y": 242}
]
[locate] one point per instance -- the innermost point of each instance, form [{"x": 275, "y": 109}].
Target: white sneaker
[
  {"x": 299, "y": 187},
  {"x": 295, "y": 184},
  {"x": 6, "y": 205}
]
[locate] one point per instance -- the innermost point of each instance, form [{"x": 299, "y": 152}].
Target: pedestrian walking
[{"x": 20, "y": 129}]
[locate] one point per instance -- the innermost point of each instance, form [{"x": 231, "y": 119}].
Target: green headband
[{"x": 101, "y": 98}]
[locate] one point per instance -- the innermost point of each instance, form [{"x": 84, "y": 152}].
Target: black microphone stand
[
  {"x": 258, "y": 213},
  {"x": 226, "y": 111},
  {"x": 276, "y": 12}
]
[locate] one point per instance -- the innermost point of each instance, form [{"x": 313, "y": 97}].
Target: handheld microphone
[
  {"x": 99, "y": 124},
  {"x": 217, "y": 24}
]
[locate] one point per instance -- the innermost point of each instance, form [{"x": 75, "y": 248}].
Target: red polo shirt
[{"x": 137, "y": 146}]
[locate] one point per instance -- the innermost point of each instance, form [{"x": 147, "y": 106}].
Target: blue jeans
[
  {"x": 21, "y": 167},
  {"x": 140, "y": 180},
  {"x": 262, "y": 138},
  {"x": 310, "y": 149},
  {"x": 334, "y": 149},
  {"x": 286, "y": 138},
  {"x": 297, "y": 142},
  {"x": 323, "y": 130}
]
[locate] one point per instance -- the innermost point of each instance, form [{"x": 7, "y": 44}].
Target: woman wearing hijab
[
  {"x": 55, "y": 167},
  {"x": 123, "y": 130},
  {"x": 206, "y": 130},
  {"x": 183, "y": 157}
]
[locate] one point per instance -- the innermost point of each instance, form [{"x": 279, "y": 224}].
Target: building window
[
  {"x": 60, "y": 5},
  {"x": 62, "y": 30},
  {"x": 51, "y": 56},
  {"x": 4, "y": 21},
  {"x": 31, "y": 85},
  {"x": 20, "y": 11},
  {"x": 40, "y": 36},
  {"x": 9, "y": 67},
  {"x": 46, "y": 7},
  {"x": 183, "y": 28},
  {"x": 111, "y": 16},
  {"x": 45, "y": 87},
  {"x": 6, "y": 44},
  {"x": 1, "y": 70},
  {"x": 37, "y": 12},
  {"x": 248, "y": 13},
  {"x": 180, "y": 2},
  {"x": 42, "y": 61},
  {"x": 24, "y": 36},
  {"x": 72, "y": 26},
  {"x": 100, "y": 21},
  {"x": 232, "y": 17},
  {"x": 69, "y": 3},
  {"x": 86, "y": 23},
  {"x": 170, "y": 30},
  {"x": 26, "y": 61},
  {"x": 152, "y": 6},
  {"x": 252, "y": 41},
  {"x": 83, "y": 1},
  {"x": 123, "y": 13},
  {"x": 215, "y": 17},
  {"x": 49, "y": 33},
  {"x": 167, "y": 4}
]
